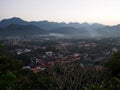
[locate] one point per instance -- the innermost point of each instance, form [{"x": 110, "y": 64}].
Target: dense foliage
[
  {"x": 114, "y": 64},
  {"x": 61, "y": 76}
]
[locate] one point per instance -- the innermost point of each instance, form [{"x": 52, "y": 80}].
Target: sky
[{"x": 91, "y": 11}]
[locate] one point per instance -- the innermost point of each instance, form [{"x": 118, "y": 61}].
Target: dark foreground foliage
[{"x": 61, "y": 76}]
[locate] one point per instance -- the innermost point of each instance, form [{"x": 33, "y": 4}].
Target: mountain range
[{"x": 18, "y": 27}]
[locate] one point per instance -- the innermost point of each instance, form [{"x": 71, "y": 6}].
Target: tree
[
  {"x": 114, "y": 63},
  {"x": 1, "y": 49},
  {"x": 9, "y": 71},
  {"x": 7, "y": 80}
]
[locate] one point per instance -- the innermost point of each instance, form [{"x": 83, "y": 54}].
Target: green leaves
[
  {"x": 114, "y": 63},
  {"x": 94, "y": 87},
  {"x": 117, "y": 79},
  {"x": 1, "y": 47},
  {"x": 7, "y": 80}
]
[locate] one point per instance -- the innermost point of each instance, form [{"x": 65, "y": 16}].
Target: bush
[{"x": 114, "y": 64}]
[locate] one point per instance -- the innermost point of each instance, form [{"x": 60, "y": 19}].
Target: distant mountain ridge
[
  {"x": 18, "y": 27},
  {"x": 46, "y": 24},
  {"x": 109, "y": 31},
  {"x": 14, "y": 20},
  {"x": 21, "y": 30}
]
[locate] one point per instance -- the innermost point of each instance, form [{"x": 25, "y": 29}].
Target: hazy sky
[{"x": 100, "y": 11}]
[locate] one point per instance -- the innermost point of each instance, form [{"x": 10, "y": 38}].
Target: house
[
  {"x": 26, "y": 67},
  {"x": 49, "y": 53}
]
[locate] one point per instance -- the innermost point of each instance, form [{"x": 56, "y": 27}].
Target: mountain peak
[
  {"x": 13, "y": 20},
  {"x": 16, "y": 18}
]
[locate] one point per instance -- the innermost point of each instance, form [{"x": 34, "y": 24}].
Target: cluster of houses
[
  {"x": 48, "y": 60},
  {"x": 21, "y": 51}
]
